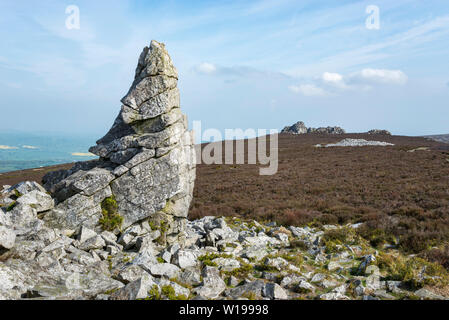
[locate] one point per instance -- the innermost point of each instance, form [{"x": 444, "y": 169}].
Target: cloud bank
[{"x": 335, "y": 83}]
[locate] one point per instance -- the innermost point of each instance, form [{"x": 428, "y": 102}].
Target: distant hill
[{"x": 440, "y": 138}]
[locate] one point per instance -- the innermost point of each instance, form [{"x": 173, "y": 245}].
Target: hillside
[
  {"x": 398, "y": 193},
  {"x": 440, "y": 138}
]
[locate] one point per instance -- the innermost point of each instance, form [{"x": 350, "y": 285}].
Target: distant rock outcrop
[
  {"x": 300, "y": 128},
  {"x": 378, "y": 131},
  {"x": 297, "y": 128},
  {"x": 147, "y": 160}
]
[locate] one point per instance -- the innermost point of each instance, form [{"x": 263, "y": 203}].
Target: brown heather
[{"x": 401, "y": 196}]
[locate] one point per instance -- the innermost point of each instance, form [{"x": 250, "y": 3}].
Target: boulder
[
  {"x": 253, "y": 288},
  {"x": 38, "y": 200},
  {"x": 274, "y": 291},
  {"x": 212, "y": 285},
  {"x": 165, "y": 269},
  {"x": 7, "y": 238},
  {"x": 185, "y": 258},
  {"x": 137, "y": 289}
]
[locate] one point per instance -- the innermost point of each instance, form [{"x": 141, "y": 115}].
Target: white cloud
[
  {"x": 334, "y": 79},
  {"x": 29, "y": 147},
  {"x": 383, "y": 76},
  {"x": 308, "y": 90},
  {"x": 206, "y": 68},
  {"x": 365, "y": 79}
]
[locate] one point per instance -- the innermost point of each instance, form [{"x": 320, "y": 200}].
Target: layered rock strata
[{"x": 146, "y": 161}]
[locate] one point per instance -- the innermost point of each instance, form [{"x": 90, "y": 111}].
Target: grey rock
[
  {"x": 383, "y": 295},
  {"x": 428, "y": 295},
  {"x": 7, "y": 238},
  {"x": 10, "y": 278},
  {"x": 190, "y": 276},
  {"x": 373, "y": 282},
  {"x": 21, "y": 216},
  {"x": 290, "y": 280},
  {"x": 95, "y": 242},
  {"x": 359, "y": 290},
  {"x": 305, "y": 286},
  {"x": 131, "y": 273},
  {"x": 38, "y": 200},
  {"x": 253, "y": 287},
  {"x": 165, "y": 269},
  {"x": 226, "y": 264},
  {"x": 297, "y": 128},
  {"x": 379, "y": 131},
  {"x": 328, "y": 284},
  {"x": 86, "y": 233},
  {"x": 137, "y": 289},
  {"x": 277, "y": 263},
  {"x": 336, "y": 294},
  {"x": 233, "y": 281},
  {"x": 333, "y": 266},
  {"x": 24, "y": 188},
  {"x": 147, "y": 160},
  {"x": 109, "y": 237},
  {"x": 212, "y": 285},
  {"x": 274, "y": 291},
  {"x": 185, "y": 258},
  {"x": 300, "y": 128},
  {"x": 367, "y": 260},
  {"x": 76, "y": 211},
  {"x": 318, "y": 277}
]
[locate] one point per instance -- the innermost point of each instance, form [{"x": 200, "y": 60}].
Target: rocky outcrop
[
  {"x": 297, "y": 128},
  {"x": 221, "y": 258},
  {"x": 146, "y": 165},
  {"x": 300, "y": 128},
  {"x": 327, "y": 130},
  {"x": 379, "y": 131}
]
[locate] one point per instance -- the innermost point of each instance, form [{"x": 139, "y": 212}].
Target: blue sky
[{"x": 242, "y": 64}]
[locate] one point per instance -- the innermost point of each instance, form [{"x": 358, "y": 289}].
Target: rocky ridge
[
  {"x": 300, "y": 128},
  {"x": 220, "y": 258},
  {"x": 146, "y": 165},
  {"x": 379, "y": 131}
]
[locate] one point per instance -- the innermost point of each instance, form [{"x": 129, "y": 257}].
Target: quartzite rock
[{"x": 147, "y": 159}]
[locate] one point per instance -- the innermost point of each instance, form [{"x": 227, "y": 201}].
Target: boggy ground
[{"x": 402, "y": 197}]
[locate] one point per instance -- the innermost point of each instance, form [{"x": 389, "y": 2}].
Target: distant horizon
[{"x": 97, "y": 135}]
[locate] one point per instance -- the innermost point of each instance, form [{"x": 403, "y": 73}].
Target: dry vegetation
[{"x": 403, "y": 197}]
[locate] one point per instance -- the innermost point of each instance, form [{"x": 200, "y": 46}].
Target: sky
[{"x": 242, "y": 64}]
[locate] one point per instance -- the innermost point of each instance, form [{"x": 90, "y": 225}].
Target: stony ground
[{"x": 221, "y": 258}]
